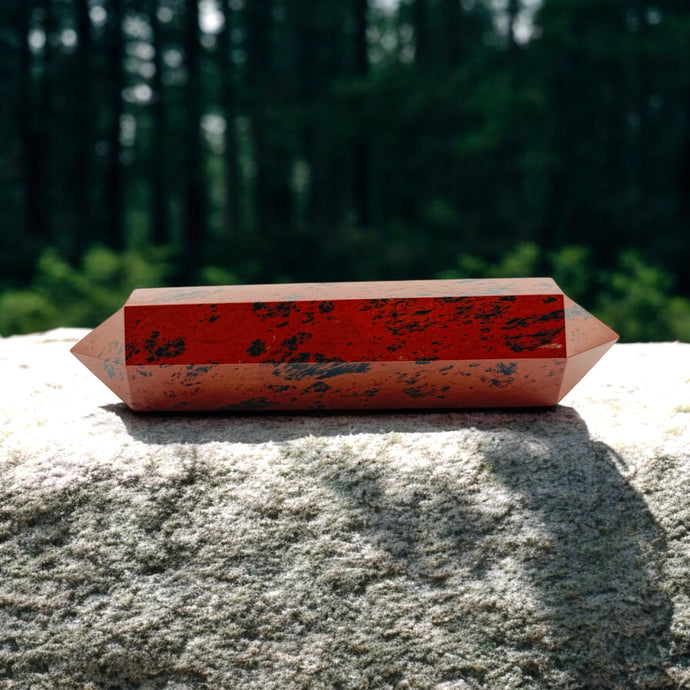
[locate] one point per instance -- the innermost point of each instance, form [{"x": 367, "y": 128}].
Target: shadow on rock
[
  {"x": 532, "y": 559},
  {"x": 261, "y": 427},
  {"x": 600, "y": 577},
  {"x": 527, "y": 538}
]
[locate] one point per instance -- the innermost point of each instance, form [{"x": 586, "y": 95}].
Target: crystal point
[
  {"x": 368, "y": 345},
  {"x": 102, "y": 352}
]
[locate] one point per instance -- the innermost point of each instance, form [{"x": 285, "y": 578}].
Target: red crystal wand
[{"x": 368, "y": 345}]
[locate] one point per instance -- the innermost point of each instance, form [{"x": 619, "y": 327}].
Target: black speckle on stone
[
  {"x": 508, "y": 298},
  {"x": 376, "y": 304},
  {"x": 257, "y": 348},
  {"x": 416, "y": 392},
  {"x": 213, "y": 318},
  {"x": 326, "y": 307},
  {"x": 533, "y": 341},
  {"x": 131, "y": 350},
  {"x": 446, "y": 368},
  {"x": 195, "y": 370},
  {"x": 322, "y": 370},
  {"x": 320, "y": 357},
  {"x": 156, "y": 350},
  {"x": 318, "y": 387},
  {"x": 295, "y": 341},
  {"x": 549, "y": 299},
  {"x": 398, "y": 328},
  {"x": 506, "y": 369},
  {"x": 248, "y": 405},
  {"x": 109, "y": 370}
]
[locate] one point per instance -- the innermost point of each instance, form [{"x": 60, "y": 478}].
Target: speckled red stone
[{"x": 369, "y": 345}]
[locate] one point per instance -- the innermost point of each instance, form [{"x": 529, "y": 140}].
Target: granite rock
[{"x": 440, "y": 550}]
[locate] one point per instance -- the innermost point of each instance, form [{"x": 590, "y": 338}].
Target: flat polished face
[
  {"x": 291, "y": 292},
  {"x": 388, "y": 345}
]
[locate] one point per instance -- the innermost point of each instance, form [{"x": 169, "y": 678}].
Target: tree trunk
[
  {"x": 32, "y": 140},
  {"x": 272, "y": 200},
  {"x": 420, "y": 21},
  {"x": 160, "y": 231},
  {"x": 454, "y": 40},
  {"x": 361, "y": 163},
  {"x": 258, "y": 23},
  {"x": 230, "y": 111},
  {"x": 31, "y": 228},
  {"x": 513, "y": 13},
  {"x": 83, "y": 118},
  {"x": 683, "y": 191},
  {"x": 114, "y": 181},
  {"x": 194, "y": 224}
]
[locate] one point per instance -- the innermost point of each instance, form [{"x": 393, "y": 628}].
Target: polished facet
[{"x": 368, "y": 345}]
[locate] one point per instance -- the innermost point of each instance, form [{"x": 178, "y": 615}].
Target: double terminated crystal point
[{"x": 375, "y": 345}]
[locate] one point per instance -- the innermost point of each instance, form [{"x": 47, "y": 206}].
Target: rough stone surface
[{"x": 492, "y": 549}]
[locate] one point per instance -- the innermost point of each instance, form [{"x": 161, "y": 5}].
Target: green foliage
[
  {"x": 214, "y": 275},
  {"x": 522, "y": 260},
  {"x": 639, "y": 305},
  {"x": 345, "y": 140},
  {"x": 573, "y": 267},
  {"x": 62, "y": 295},
  {"x": 25, "y": 311},
  {"x": 635, "y": 298},
  {"x": 677, "y": 317}
]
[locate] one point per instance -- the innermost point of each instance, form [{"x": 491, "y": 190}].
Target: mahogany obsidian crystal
[{"x": 368, "y": 345}]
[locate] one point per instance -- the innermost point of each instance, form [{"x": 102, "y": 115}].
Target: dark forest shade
[
  {"x": 114, "y": 174},
  {"x": 286, "y": 139}
]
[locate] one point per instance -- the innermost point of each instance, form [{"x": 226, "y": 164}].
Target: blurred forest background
[{"x": 154, "y": 142}]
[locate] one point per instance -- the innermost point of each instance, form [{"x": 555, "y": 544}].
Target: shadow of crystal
[{"x": 522, "y": 539}]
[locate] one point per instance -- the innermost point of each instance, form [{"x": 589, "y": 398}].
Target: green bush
[
  {"x": 23, "y": 311},
  {"x": 638, "y": 303},
  {"x": 635, "y": 298},
  {"x": 62, "y": 295}
]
